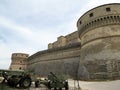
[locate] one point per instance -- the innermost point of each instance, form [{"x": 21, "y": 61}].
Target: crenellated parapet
[
  {"x": 65, "y": 40},
  {"x": 19, "y": 61},
  {"x": 105, "y": 15},
  {"x": 99, "y": 22},
  {"x": 61, "y": 60}
]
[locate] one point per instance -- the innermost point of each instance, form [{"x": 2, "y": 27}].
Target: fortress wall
[
  {"x": 103, "y": 10},
  {"x": 65, "y": 40},
  {"x": 61, "y": 41},
  {"x": 99, "y": 31},
  {"x": 72, "y": 38},
  {"x": 19, "y": 61},
  {"x": 104, "y": 54},
  {"x": 64, "y": 61},
  {"x": 92, "y": 52}
]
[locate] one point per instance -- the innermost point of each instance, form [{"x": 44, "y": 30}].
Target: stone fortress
[
  {"x": 92, "y": 52},
  {"x": 61, "y": 57},
  {"x": 99, "y": 32},
  {"x": 19, "y": 61}
]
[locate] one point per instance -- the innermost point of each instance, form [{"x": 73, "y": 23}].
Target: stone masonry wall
[
  {"x": 65, "y": 40},
  {"x": 99, "y": 31},
  {"x": 19, "y": 61},
  {"x": 60, "y": 61}
]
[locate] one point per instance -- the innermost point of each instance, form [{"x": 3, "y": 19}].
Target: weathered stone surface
[
  {"x": 19, "y": 61},
  {"x": 92, "y": 52},
  {"x": 64, "y": 61},
  {"x": 65, "y": 40},
  {"x": 100, "y": 40}
]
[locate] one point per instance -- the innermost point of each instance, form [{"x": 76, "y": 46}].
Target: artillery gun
[
  {"x": 55, "y": 81},
  {"x": 16, "y": 78}
]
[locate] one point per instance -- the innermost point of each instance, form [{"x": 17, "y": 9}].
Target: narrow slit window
[{"x": 80, "y": 22}]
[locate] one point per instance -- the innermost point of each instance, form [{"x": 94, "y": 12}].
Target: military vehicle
[
  {"x": 16, "y": 78},
  {"x": 55, "y": 82}
]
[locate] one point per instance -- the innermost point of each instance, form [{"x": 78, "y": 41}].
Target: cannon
[
  {"x": 16, "y": 78},
  {"x": 55, "y": 82}
]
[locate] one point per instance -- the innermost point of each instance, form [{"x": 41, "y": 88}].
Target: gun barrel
[{"x": 53, "y": 75}]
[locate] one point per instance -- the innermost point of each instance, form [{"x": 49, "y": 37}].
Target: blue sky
[{"x": 27, "y": 26}]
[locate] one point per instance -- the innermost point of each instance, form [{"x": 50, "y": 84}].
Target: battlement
[
  {"x": 65, "y": 40},
  {"x": 19, "y": 61},
  {"x": 100, "y": 16},
  {"x": 20, "y": 55}
]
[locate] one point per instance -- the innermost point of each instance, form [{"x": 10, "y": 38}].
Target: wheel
[
  {"x": 49, "y": 85},
  {"x": 12, "y": 81},
  {"x": 55, "y": 88},
  {"x": 60, "y": 88},
  {"x": 37, "y": 83},
  {"x": 66, "y": 86},
  {"x": 25, "y": 82}
]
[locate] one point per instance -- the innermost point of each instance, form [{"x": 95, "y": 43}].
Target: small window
[
  {"x": 20, "y": 68},
  {"x": 91, "y": 15},
  {"x": 80, "y": 22},
  {"x": 108, "y": 9}
]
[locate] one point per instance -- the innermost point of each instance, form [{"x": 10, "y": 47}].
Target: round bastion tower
[
  {"x": 19, "y": 61},
  {"x": 99, "y": 32}
]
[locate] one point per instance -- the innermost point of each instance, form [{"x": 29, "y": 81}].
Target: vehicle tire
[
  {"x": 66, "y": 86},
  {"x": 60, "y": 88},
  {"x": 49, "y": 85},
  {"x": 55, "y": 88},
  {"x": 25, "y": 82},
  {"x": 12, "y": 81},
  {"x": 37, "y": 83}
]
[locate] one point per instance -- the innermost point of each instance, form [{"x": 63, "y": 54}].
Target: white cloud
[
  {"x": 27, "y": 35},
  {"x": 92, "y": 4},
  {"x": 5, "y": 22}
]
